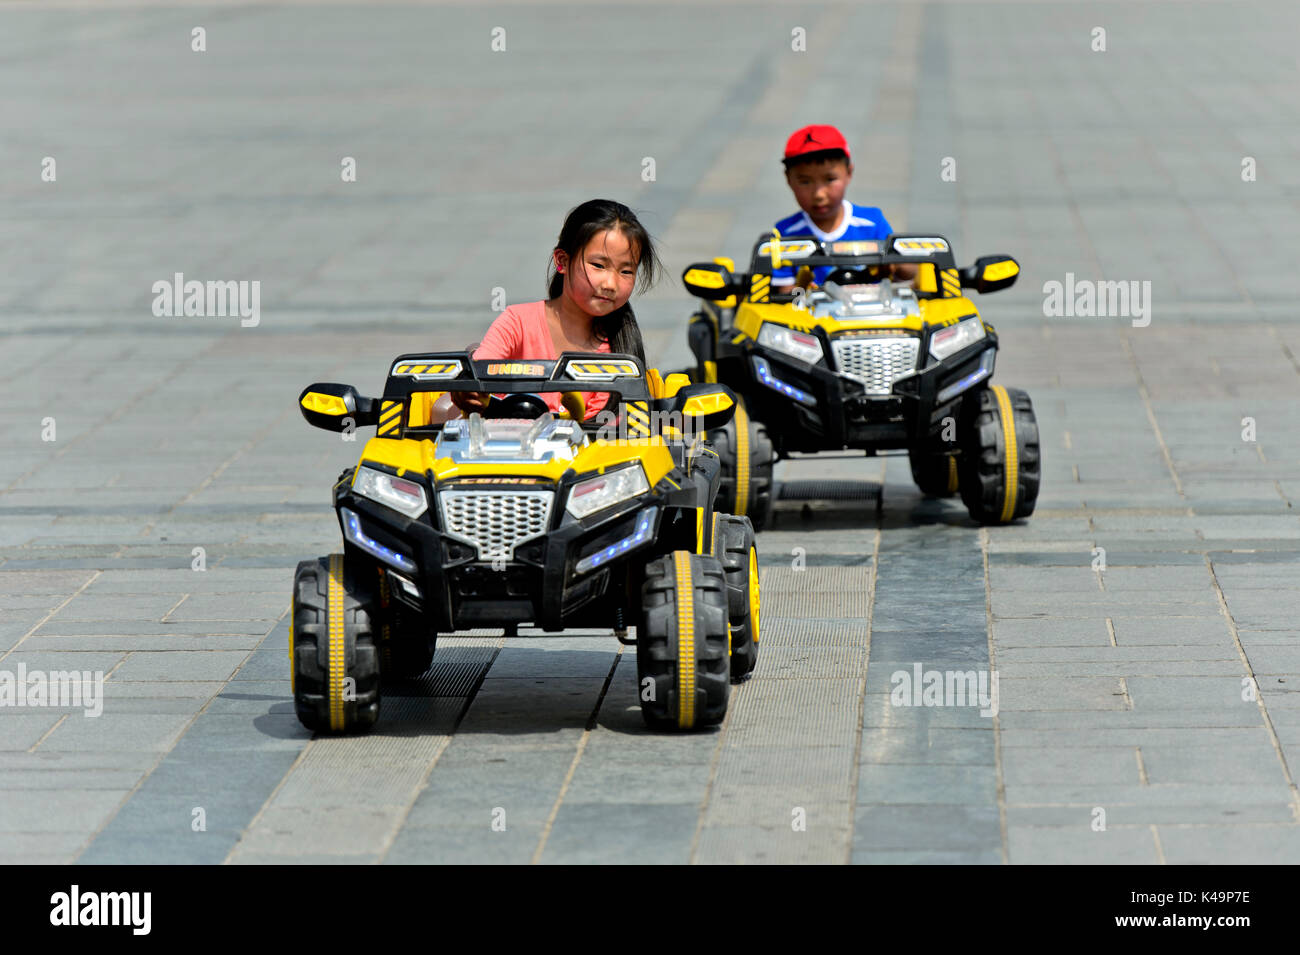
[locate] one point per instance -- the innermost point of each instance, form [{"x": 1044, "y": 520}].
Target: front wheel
[
  {"x": 683, "y": 669},
  {"x": 1000, "y": 459},
  {"x": 334, "y": 660}
]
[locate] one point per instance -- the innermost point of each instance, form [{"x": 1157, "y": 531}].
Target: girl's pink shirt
[{"x": 521, "y": 332}]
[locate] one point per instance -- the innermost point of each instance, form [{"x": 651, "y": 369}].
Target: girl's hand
[{"x": 469, "y": 401}]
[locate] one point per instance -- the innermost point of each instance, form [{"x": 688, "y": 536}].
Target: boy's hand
[
  {"x": 903, "y": 270},
  {"x": 469, "y": 401}
]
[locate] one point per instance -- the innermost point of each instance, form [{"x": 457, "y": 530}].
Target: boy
[{"x": 818, "y": 169}]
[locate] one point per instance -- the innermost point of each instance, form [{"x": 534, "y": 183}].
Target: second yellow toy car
[{"x": 864, "y": 363}]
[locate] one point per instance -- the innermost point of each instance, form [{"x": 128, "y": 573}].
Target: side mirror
[
  {"x": 337, "y": 407},
  {"x": 710, "y": 280},
  {"x": 675, "y": 383},
  {"x": 990, "y": 273},
  {"x": 708, "y": 406}
]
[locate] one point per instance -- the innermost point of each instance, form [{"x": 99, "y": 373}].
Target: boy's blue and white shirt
[{"x": 859, "y": 222}]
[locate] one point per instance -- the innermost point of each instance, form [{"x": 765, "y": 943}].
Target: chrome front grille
[
  {"x": 876, "y": 362},
  {"x": 495, "y": 521}
]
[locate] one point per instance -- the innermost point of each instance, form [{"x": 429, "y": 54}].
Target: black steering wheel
[
  {"x": 859, "y": 276},
  {"x": 516, "y": 406}
]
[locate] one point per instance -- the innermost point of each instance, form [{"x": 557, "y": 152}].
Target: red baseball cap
[{"x": 814, "y": 139}]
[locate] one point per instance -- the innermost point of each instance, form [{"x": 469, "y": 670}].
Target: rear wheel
[
  {"x": 681, "y": 647},
  {"x": 733, "y": 545},
  {"x": 335, "y": 662},
  {"x": 701, "y": 336},
  {"x": 746, "y": 454},
  {"x": 935, "y": 472},
  {"x": 1000, "y": 459}
]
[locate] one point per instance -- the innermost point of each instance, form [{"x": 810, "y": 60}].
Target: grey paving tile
[
  {"x": 1230, "y": 844},
  {"x": 450, "y": 845},
  {"x": 181, "y": 666},
  {"x": 929, "y": 784},
  {"x": 1081, "y": 846},
  {"x": 25, "y": 810},
  {"x": 631, "y": 833},
  {"x": 926, "y": 857},
  {"x": 943, "y": 828},
  {"x": 772, "y": 845}
]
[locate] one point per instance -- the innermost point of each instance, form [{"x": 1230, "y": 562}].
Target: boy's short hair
[
  {"x": 815, "y": 144},
  {"x": 823, "y": 155}
]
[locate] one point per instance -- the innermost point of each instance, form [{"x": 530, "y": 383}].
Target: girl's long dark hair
[{"x": 583, "y": 223}]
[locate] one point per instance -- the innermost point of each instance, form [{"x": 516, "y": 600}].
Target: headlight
[
  {"x": 799, "y": 345},
  {"x": 950, "y": 340},
  {"x": 403, "y": 496},
  {"x": 596, "y": 494}
]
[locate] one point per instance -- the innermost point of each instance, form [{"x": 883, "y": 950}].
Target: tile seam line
[
  {"x": 860, "y": 729},
  {"x": 997, "y": 723},
  {"x": 577, "y": 758},
  {"x": 144, "y": 777},
  {"x": 120, "y": 412},
  {"x": 1259, "y": 698},
  {"x": 1145, "y": 394},
  {"x": 247, "y": 446},
  {"x": 44, "y": 620},
  {"x": 423, "y": 784}
]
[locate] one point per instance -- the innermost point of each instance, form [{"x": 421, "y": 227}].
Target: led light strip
[{"x": 638, "y": 537}]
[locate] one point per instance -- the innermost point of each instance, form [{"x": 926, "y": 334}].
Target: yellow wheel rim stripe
[
  {"x": 685, "y": 640},
  {"x": 952, "y": 473},
  {"x": 753, "y": 593},
  {"x": 742, "y": 458},
  {"x": 334, "y": 637},
  {"x": 293, "y": 683},
  {"x": 1012, "y": 477}
]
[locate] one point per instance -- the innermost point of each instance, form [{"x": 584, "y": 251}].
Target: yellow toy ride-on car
[
  {"x": 863, "y": 363},
  {"x": 519, "y": 516}
]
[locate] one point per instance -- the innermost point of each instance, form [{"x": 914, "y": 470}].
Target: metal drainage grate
[{"x": 825, "y": 490}]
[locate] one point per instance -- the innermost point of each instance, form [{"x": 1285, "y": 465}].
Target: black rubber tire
[
  {"x": 699, "y": 334},
  {"x": 935, "y": 472},
  {"x": 310, "y": 639},
  {"x": 758, "y": 502},
  {"x": 406, "y": 645},
  {"x": 984, "y": 463},
  {"x": 733, "y": 541},
  {"x": 683, "y": 690}
]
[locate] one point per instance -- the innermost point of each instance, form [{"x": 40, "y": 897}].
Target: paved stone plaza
[{"x": 1125, "y": 620}]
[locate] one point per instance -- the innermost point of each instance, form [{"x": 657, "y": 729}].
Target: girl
[{"x": 602, "y": 254}]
